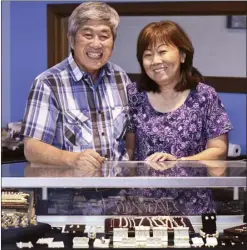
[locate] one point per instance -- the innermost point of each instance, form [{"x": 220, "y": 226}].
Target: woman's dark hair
[{"x": 170, "y": 33}]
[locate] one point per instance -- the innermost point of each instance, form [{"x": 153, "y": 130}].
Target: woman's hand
[
  {"x": 160, "y": 156},
  {"x": 161, "y": 166}
]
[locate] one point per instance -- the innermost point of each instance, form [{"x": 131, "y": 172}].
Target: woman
[{"x": 173, "y": 115}]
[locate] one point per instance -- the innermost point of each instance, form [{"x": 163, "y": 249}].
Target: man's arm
[{"x": 39, "y": 152}]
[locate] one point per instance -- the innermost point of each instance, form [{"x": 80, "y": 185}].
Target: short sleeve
[
  {"x": 217, "y": 120},
  {"x": 132, "y": 98},
  {"x": 41, "y": 113}
]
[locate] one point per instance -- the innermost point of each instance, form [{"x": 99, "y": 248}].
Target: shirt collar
[{"x": 78, "y": 73}]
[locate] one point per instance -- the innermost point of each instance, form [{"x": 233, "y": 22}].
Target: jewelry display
[
  {"x": 140, "y": 223},
  {"x": 162, "y": 221},
  {"x": 133, "y": 220},
  {"x": 56, "y": 244},
  {"x": 152, "y": 222},
  {"x": 91, "y": 232},
  {"x": 70, "y": 228},
  {"x": 197, "y": 242},
  {"x": 80, "y": 242},
  {"x": 204, "y": 235},
  {"x": 160, "y": 233},
  {"x": 101, "y": 243},
  {"x": 126, "y": 243},
  {"x": 230, "y": 240},
  {"x": 14, "y": 199},
  {"x": 181, "y": 233},
  {"x": 126, "y": 222},
  {"x": 24, "y": 244},
  {"x": 142, "y": 233},
  {"x": 119, "y": 234},
  {"x": 155, "y": 223},
  {"x": 181, "y": 237},
  {"x": 181, "y": 243},
  {"x": 44, "y": 240},
  {"x": 238, "y": 231},
  {"x": 209, "y": 226},
  {"x": 154, "y": 243},
  {"x": 211, "y": 242},
  {"x": 17, "y": 219},
  {"x": 112, "y": 223}
]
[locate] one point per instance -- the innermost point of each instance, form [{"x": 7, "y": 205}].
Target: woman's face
[{"x": 162, "y": 63}]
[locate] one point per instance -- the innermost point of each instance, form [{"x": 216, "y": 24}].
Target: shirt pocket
[
  {"x": 77, "y": 128},
  {"x": 120, "y": 116}
]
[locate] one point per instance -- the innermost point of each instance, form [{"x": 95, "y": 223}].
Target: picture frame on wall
[{"x": 236, "y": 22}]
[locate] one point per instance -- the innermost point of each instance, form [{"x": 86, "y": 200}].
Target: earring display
[
  {"x": 44, "y": 240},
  {"x": 73, "y": 228},
  {"x": 197, "y": 242},
  {"x": 209, "y": 226},
  {"x": 125, "y": 243},
  {"x": 56, "y": 244},
  {"x": 119, "y": 234},
  {"x": 24, "y": 244},
  {"x": 230, "y": 240},
  {"x": 211, "y": 242},
  {"x": 153, "y": 222},
  {"x": 101, "y": 243},
  {"x": 181, "y": 237},
  {"x": 142, "y": 233},
  {"x": 160, "y": 233},
  {"x": 80, "y": 242},
  {"x": 238, "y": 231}
]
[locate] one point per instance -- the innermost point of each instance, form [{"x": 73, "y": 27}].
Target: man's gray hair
[{"x": 97, "y": 11}]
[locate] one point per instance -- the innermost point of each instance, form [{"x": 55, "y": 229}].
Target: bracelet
[
  {"x": 204, "y": 235},
  {"x": 182, "y": 159}
]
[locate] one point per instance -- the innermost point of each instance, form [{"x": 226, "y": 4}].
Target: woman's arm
[
  {"x": 130, "y": 144},
  {"x": 216, "y": 150}
]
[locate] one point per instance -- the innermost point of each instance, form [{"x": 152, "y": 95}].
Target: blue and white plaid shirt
[{"x": 67, "y": 110}]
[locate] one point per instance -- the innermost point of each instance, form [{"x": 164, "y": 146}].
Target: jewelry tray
[
  {"x": 234, "y": 231},
  {"x": 29, "y": 233},
  {"x": 131, "y": 231}
]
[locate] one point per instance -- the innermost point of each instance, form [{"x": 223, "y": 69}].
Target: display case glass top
[{"x": 135, "y": 174}]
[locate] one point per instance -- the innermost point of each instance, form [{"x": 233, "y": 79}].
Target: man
[{"x": 77, "y": 111}]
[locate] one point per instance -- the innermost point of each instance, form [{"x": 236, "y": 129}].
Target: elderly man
[{"x": 77, "y": 111}]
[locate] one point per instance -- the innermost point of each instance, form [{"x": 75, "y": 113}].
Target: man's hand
[
  {"x": 88, "y": 159},
  {"x": 160, "y": 156}
]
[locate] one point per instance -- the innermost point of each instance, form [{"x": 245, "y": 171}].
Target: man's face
[{"x": 92, "y": 46}]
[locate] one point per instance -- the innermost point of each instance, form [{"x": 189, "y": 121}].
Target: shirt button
[{"x": 103, "y": 133}]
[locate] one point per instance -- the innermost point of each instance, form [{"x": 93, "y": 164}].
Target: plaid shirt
[{"x": 67, "y": 110}]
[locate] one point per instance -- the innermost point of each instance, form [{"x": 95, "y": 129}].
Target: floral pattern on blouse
[{"x": 182, "y": 132}]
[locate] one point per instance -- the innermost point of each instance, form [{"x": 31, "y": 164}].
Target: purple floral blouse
[{"x": 182, "y": 132}]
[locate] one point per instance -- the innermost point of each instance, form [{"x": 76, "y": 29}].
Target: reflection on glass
[
  {"x": 141, "y": 201},
  {"x": 152, "y": 169}
]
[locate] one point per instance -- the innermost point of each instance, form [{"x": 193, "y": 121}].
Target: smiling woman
[{"x": 140, "y": 13}]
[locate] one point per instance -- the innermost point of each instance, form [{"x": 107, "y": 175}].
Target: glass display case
[{"x": 140, "y": 200}]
